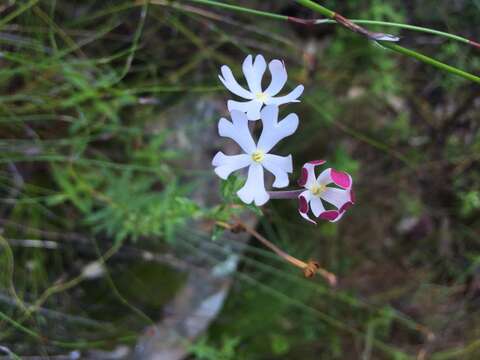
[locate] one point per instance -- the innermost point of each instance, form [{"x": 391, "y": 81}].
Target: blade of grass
[
  {"x": 328, "y": 21},
  {"x": 332, "y": 15},
  {"x": 389, "y": 45}
]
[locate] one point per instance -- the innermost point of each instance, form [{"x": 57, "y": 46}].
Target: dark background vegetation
[{"x": 102, "y": 105}]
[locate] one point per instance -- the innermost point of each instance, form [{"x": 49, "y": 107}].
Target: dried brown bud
[
  {"x": 311, "y": 269},
  {"x": 237, "y": 228}
]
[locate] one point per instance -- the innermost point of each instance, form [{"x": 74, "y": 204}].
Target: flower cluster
[{"x": 331, "y": 187}]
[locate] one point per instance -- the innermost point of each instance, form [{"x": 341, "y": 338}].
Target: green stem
[
  {"x": 237, "y": 8},
  {"x": 318, "y": 8},
  {"x": 331, "y": 21},
  {"x": 431, "y": 61},
  {"x": 331, "y": 15},
  {"x": 17, "y": 12},
  {"x": 408, "y": 27},
  {"x": 411, "y": 53}
]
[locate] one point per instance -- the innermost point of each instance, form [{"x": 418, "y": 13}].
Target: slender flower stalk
[
  {"x": 288, "y": 194},
  {"x": 310, "y": 268}
]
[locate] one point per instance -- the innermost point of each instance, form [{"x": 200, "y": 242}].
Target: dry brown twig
[{"x": 310, "y": 268}]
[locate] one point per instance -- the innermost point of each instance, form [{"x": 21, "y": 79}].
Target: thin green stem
[
  {"x": 235, "y": 8},
  {"x": 317, "y": 8},
  {"x": 457, "y": 353},
  {"x": 332, "y": 18},
  {"x": 403, "y": 26},
  {"x": 330, "y": 21},
  {"x": 431, "y": 61},
  {"x": 17, "y": 12},
  {"x": 389, "y": 45}
]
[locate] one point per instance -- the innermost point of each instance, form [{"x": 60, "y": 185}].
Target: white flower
[
  {"x": 256, "y": 156},
  {"x": 253, "y": 71}
]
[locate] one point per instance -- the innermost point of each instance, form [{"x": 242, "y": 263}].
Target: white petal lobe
[
  {"x": 279, "y": 166},
  {"x": 226, "y": 164},
  {"x": 253, "y": 71},
  {"x": 308, "y": 175},
  {"x": 254, "y": 188},
  {"x": 237, "y": 131},
  {"x": 317, "y": 206},
  {"x": 290, "y": 97},
  {"x": 231, "y": 83},
  {"x": 324, "y": 177},
  {"x": 336, "y": 197},
  {"x": 274, "y": 131},
  {"x": 279, "y": 77}
]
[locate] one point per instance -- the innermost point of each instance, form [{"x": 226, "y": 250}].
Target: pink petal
[
  {"x": 345, "y": 207},
  {"x": 330, "y": 215},
  {"x": 352, "y": 196},
  {"x": 302, "y": 204},
  {"x": 348, "y": 204},
  {"x": 303, "y": 207},
  {"x": 317, "y": 162},
  {"x": 303, "y": 177},
  {"x": 341, "y": 179}
]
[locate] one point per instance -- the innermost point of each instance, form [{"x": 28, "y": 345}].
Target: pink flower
[{"x": 331, "y": 186}]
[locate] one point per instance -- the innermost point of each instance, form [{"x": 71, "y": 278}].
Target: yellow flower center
[
  {"x": 258, "y": 156},
  {"x": 261, "y": 97},
  {"x": 318, "y": 189}
]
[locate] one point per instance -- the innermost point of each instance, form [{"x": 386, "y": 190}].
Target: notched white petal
[
  {"x": 279, "y": 77},
  {"x": 237, "y": 130},
  {"x": 254, "y": 188},
  {"x": 226, "y": 164},
  {"x": 253, "y": 71},
  {"x": 231, "y": 83},
  {"x": 279, "y": 166},
  {"x": 290, "y": 97},
  {"x": 274, "y": 131}
]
